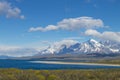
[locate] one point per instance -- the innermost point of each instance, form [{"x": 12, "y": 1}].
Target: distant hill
[{"x": 5, "y": 57}]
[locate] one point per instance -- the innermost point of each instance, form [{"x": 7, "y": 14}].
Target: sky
[{"x": 28, "y": 24}]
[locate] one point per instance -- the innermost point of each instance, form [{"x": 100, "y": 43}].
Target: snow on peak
[
  {"x": 92, "y": 40},
  {"x": 95, "y": 43},
  {"x": 72, "y": 46},
  {"x": 57, "y": 46}
]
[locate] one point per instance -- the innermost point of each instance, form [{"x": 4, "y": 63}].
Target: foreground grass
[{"x": 102, "y": 74}]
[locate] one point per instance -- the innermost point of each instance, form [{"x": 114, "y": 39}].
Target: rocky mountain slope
[{"x": 88, "y": 47}]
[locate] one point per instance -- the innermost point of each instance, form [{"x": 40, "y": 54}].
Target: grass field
[{"x": 100, "y": 74}]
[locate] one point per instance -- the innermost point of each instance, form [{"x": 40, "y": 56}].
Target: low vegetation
[
  {"x": 16, "y": 74},
  {"x": 107, "y": 61}
]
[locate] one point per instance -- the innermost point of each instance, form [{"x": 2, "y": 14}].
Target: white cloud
[
  {"x": 66, "y": 42},
  {"x": 108, "y": 35},
  {"x": 72, "y": 24},
  {"x": 74, "y": 38},
  {"x": 91, "y": 32},
  {"x": 48, "y": 28},
  {"x": 17, "y": 51},
  {"x": 9, "y": 11}
]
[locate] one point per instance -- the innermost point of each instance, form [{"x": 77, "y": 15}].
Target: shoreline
[{"x": 74, "y": 63}]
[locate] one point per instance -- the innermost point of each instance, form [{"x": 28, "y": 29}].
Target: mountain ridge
[{"x": 87, "y": 47}]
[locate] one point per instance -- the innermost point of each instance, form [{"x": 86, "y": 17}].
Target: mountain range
[
  {"x": 88, "y": 47},
  {"x": 5, "y": 57}
]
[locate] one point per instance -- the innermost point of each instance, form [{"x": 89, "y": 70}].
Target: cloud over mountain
[
  {"x": 72, "y": 24},
  {"x": 107, "y": 35},
  {"x": 88, "y": 23}
]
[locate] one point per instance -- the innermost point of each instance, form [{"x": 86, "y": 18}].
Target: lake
[{"x": 25, "y": 64}]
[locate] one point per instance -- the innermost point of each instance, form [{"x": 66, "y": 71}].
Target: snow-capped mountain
[
  {"x": 57, "y": 47},
  {"x": 90, "y": 46}
]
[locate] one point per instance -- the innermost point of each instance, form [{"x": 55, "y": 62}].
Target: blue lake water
[{"x": 24, "y": 64}]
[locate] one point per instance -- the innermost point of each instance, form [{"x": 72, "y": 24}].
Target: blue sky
[{"x": 21, "y": 21}]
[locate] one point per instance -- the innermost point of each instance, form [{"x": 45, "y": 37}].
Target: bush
[{"x": 102, "y": 74}]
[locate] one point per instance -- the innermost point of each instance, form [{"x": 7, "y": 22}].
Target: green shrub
[{"x": 101, "y": 74}]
